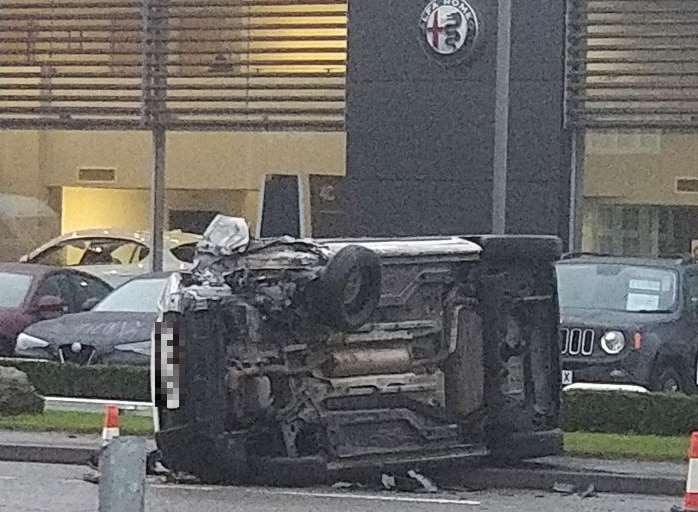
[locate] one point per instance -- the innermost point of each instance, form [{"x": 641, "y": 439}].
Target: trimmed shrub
[
  {"x": 629, "y": 413},
  {"x": 585, "y": 411},
  {"x": 68, "y": 380}
]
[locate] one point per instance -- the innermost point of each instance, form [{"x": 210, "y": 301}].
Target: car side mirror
[
  {"x": 90, "y": 303},
  {"x": 49, "y": 306}
]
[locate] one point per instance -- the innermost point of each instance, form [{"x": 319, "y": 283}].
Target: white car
[{"x": 113, "y": 255}]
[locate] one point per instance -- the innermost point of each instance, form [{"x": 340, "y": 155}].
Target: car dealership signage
[{"x": 449, "y": 29}]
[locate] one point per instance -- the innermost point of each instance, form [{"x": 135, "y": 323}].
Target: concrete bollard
[{"x": 122, "y": 475}]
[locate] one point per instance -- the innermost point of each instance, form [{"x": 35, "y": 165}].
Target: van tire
[{"x": 329, "y": 291}]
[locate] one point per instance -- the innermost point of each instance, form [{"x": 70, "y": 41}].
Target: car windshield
[
  {"x": 138, "y": 296},
  {"x": 93, "y": 251},
  {"x": 13, "y": 289},
  {"x": 617, "y": 287}
]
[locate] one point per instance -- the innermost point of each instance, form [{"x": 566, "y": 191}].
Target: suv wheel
[{"x": 667, "y": 380}]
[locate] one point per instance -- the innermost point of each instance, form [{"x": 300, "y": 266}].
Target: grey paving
[
  {"x": 626, "y": 466},
  {"x": 78, "y": 441},
  {"x": 55, "y": 488}
]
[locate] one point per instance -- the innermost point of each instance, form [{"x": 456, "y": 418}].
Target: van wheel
[
  {"x": 667, "y": 380},
  {"x": 348, "y": 291}
]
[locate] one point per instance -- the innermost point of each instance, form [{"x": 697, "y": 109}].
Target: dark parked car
[
  {"x": 30, "y": 293},
  {"x": 115, "y": 331},
  {"x": 630, "y": 321}
]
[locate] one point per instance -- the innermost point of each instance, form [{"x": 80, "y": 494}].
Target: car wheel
[{"x": 668, "y": 380}]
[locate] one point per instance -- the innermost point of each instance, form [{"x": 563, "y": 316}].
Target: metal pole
[
  {"x": 122, "y": 475},
  {"x": 576, "y": 190},
  {"x": 501, "y": 118},
  {"x": 158, "y": 204},
  {"x": 156, "y": 25}
]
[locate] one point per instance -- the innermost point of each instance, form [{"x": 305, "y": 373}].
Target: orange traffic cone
[
  {"x": 111, "y": 424},
  {"x": 690, "y": 498}
]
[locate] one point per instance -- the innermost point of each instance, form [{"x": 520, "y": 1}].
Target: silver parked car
[{"x": 113, "y": 255}]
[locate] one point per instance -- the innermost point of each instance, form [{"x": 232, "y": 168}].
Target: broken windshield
[{"x": 616, "y": 287}]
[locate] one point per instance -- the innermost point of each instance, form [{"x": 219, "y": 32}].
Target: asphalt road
[{"x": 54, "y": 488}]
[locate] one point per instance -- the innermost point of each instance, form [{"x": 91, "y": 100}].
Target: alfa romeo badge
[{"x": 450, "y": 28}]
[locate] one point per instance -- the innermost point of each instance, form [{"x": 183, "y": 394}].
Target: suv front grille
[
  {"x": 84, "y": 357},
  {"x": 576, "y": 342}
]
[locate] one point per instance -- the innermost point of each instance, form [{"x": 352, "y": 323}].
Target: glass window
[
  {"x": 87, "y": 288},
  {"x": 14, "y": 289},
  {"x": 56, "y": 286},
  {"x": 185, "y": 252},
  {"x": 51, "y": 286},
  {"x": 139, "y": 296},
  {"x": 93, "y": 251},
  {"x": 617, "y": 287}
]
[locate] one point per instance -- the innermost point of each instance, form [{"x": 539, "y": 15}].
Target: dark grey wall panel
[
  {"x": 420, "y": 134},
  {"x": 416, "y": 207},
  {"x": 533, "y": 207},
  {"x": 385, "y": 44},
  {"x": 535, "y": 130},
  {"x": 537, "y": 40},
  {"x": 538, "y": 179},
  {"x": 408, "y": 129}
]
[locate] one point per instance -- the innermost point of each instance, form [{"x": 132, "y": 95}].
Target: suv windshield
[
  {"x": 139, "y": 296},
  {"x": 617, "y": 287}
]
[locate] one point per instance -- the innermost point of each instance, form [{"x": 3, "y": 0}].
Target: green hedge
[
  {"x": 67, "y": 380},
  {"x": 584, "y": 411},
  {"x": 629, "y": 413}
]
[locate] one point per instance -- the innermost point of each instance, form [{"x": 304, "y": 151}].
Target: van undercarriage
[{"x": 289, "y": 360}]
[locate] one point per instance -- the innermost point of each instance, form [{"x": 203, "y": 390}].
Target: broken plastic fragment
[
  {"x": 563, "y": 488},
  {"x": 589, "y": 492},
  {"x": 388, "y": 482},
  {"x": 427, "y": 484},
  {"x": 225, "y": 236}
]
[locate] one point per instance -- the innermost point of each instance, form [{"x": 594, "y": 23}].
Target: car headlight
[
  {"x": 26, "y": 342},
  {"x": 140, "y": 347},
  {"x": 613, "y": 342}
]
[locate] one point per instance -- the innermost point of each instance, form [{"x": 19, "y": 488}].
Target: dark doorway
[
  {"x": 191, "y": 221},
  {"x": 280, "y": 206}
]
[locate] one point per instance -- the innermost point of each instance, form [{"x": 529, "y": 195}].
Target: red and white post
[
  {"x": 690, "y": 499},
  {"x": 111, "y": 424}
]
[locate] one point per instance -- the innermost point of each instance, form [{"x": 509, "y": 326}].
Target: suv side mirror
[
  {"x": 90, "y": 303},
  {"x": 49, "y": 306}
]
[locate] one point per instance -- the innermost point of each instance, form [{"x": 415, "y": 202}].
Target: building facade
[{"x": 424, "y": 117}]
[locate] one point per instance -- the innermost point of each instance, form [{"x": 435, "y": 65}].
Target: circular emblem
[
  {"x": 450, "y": 27},
  {"x": 76, "y": 347}
]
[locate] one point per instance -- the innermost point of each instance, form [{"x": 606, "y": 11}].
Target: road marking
[
  {"x": 331, "y": 495},
  {"x": 373, "y": 497},
  {"x": 8, "y": 478},
  {"x": 186, "y": 487}
]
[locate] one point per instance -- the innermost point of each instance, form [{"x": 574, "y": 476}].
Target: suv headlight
[
  {"x": 140, "y": 347},
  {"x": 613, "y": 342},
  {"x": 26, "y": 342}
]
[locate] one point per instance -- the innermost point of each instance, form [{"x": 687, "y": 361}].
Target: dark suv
[{"x": 629, "y": 321}]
